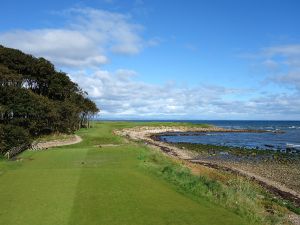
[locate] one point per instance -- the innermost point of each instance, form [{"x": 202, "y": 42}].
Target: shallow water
[{"x": 267, "y": 140}]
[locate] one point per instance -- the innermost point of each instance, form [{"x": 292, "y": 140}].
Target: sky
[{"x": 177, "y": 60}]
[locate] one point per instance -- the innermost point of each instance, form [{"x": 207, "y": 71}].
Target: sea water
[{"x": 279, "y": 135}]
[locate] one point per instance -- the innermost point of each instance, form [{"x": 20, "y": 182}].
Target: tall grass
[{"x": 236, "y": 193}]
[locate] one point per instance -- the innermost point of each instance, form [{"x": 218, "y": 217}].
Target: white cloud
[
  {"x": 288, "y": 62},
  {"x": 291, "y": 79},
  {"x": 191, "y": 47},
  {"x": 284, "y": 50},
  {"x": 270, "y": 64},
  {"x": 282, "y": 64},
  {"x": 127, "y": 98},
  {"x": 154, "y": 42},
  {"x": 89, "y": 36}
]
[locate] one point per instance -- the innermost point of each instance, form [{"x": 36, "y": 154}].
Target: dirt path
[
  {"x": 145, "y": 133},
  {"x": 49, "y": 144}
]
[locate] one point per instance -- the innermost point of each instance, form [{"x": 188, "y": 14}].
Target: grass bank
[
  {"x": 280, "y": 167},
  {"x": 119, "y": 183},
  {"x": 241, "y": 195}
]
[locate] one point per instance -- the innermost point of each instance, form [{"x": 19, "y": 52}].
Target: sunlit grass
[{"x": 122, "y": 184}]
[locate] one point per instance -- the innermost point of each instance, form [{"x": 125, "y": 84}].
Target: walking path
[{"x": 55, "y": 143}]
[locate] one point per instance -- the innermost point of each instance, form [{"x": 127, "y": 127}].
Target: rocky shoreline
[{"x": 149, "y": 136}]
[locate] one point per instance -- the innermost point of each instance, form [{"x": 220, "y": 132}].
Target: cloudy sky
[{"x": 138, "y": 59}]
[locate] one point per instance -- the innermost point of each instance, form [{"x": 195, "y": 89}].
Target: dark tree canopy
[{"x": 35, "y": 99}]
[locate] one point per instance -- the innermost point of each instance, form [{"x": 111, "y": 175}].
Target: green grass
[
  {"x": 239, "y": 194},
  {"x": 85, "y": 184}
]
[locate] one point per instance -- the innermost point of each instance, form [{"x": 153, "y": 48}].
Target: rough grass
[
  {"x": 54, "y": 137},
  {"x": 238, "y": 194},
  {"x": 84, "y": 184}
]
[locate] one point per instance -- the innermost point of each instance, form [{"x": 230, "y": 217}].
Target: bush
[{"x": 12, "y": 136}]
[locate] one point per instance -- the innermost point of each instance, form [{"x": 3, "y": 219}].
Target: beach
[{"x": 281, "y": 178}]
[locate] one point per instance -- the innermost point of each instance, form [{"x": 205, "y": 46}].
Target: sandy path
[{"x": 49, "y": 144}]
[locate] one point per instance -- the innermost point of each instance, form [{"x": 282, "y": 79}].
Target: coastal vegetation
[
  {"x": 102, "y": 180},
  {"x": 35, "y": 100},
  {"x": 107, "y": 179},
  {"x": 277, "y": 166},
  {"x": 263, "y": 172},
  {"x": 246, "y": 153},
  {"x": 238, "y": 194}
]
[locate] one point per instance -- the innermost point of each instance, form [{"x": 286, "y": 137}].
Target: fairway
[{"x": 84, "y": 184}]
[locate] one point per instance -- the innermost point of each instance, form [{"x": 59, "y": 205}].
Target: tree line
[{"x": 35, "y": 99}]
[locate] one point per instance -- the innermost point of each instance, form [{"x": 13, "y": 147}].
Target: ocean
[{"x": 280, "y": 136}]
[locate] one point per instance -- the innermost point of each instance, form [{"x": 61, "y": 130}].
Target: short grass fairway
[{"x": 85, "y": 184}]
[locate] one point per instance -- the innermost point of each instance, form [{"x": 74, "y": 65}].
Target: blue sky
[{"x": 169, "y": 59}]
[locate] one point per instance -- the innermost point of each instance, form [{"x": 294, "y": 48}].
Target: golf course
[
  {"x": 148, "y": 112},
  {"x": 86, "y": 184}
]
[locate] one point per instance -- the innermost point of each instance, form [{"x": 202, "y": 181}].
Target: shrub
[{"x": 12, "y": 136}]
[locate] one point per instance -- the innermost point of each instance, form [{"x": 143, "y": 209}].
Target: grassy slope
[{"x": 84, "y": 184}]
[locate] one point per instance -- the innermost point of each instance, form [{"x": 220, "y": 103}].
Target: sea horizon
[{"x": 190, "y": 120}]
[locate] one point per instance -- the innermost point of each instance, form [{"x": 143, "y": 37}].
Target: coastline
[{"x": 148, "y": 135}]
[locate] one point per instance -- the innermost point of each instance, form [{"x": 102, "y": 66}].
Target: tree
[{"x": 36, "y": 99}]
